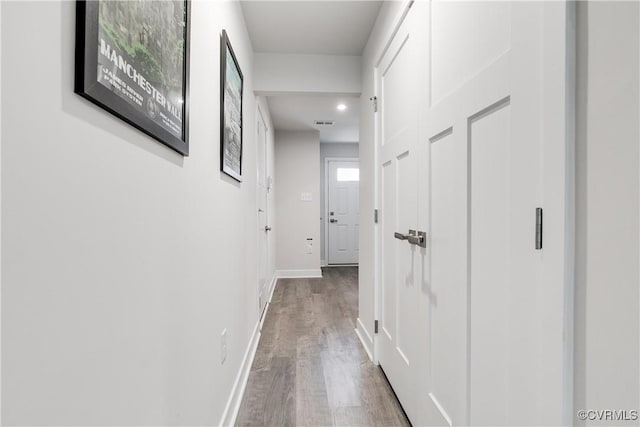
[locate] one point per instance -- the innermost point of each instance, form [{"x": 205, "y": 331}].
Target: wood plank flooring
[{"x": 310, "y": 368}]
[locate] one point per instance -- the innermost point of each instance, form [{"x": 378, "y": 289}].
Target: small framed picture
[
  {"x": 231, "y": 86},
  {"x": 132, "y": 59}
]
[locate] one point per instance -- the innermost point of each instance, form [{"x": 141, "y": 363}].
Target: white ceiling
[
  {"x": 310, "y": 27},
  {"x": 320, "y": 27},
  {"x": 299, "y": 113}
]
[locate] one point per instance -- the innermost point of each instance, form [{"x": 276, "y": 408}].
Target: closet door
[
  {"x": 473, "y": 136},
  {"x": 494, "y": 153}
]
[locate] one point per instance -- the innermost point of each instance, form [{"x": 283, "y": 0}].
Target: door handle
[
  {"x": 401, "y": 236},
  {"x": 420, "y": 239},
  {"x": 267, "y": 228},
  {"x": 414, "y": 237},
  {"x": 333, "y": 220}
]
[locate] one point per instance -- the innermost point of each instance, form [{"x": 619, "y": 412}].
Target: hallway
[
  {"x": 177, "y": 176},
  {"x": 309, "y": 368}
]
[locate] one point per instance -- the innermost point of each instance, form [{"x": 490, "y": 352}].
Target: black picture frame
[
  {"x": 231, "y": 126},
  {"x": 123, "y": 75}
]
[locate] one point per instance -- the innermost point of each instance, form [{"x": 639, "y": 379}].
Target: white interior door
[
  {"x": 489, "y": 313},
  {"x": 344, "y": 211},
  {"x": 399, "y": 343},
  {"x": 263, "y": 225},
  {"x": 496, "y": 136}
]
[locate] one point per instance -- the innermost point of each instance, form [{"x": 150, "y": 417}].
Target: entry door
[
  {"x": 344, "y": 211},
  {"x": 263, "y": 225},
  {"x": 476, "y": 326}
]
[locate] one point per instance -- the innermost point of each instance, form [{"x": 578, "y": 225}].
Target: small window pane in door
[{"x": 348, "y": 174}]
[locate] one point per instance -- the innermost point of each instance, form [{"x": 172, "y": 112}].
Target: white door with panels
[
  {"x": 400, "y": 345},
  {"x": 343, "y": 217},
  {"x": 263, "y": 224},
  {"x": 475, "y": 327}
]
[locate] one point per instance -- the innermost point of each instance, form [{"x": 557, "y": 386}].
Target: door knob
[
  {"x": 332, "y": 220},
  {"x": 267, "y": 228}
]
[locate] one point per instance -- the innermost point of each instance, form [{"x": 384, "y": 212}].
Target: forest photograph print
[{"x": 132, "y": 60}]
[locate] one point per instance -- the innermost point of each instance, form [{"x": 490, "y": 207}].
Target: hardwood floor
[{"x": 310, "y": 368}]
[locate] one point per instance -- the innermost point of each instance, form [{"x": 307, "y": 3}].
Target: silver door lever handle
[{"x": 416, "y": 240}]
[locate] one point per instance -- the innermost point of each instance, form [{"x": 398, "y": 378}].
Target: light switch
[{"x": 305, "y": 197}]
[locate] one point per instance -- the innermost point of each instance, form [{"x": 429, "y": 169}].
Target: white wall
[
  {"x": 306, "y": 74},
  {"x": 122, "y": 261},
  {"x": 1, "y": 275},
  {"x": 332, "y": 149},
  {"x": 297, "y": 171},
  {"x": 608, "y": 115},
  {"x": 385, "y": 24}
]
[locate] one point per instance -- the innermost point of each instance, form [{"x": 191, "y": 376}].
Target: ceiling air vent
[{"x": 323, "y": 122}]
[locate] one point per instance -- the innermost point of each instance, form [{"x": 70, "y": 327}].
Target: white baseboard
[
  {"x": 365, "y": 338},
  {"x": 235, "y": 398},
  {"x": 299, "y": 274},
  {"x": 272, "y": 285},
  {"x": 237, "y": 392},
  {"x": 270, "y": 289}
]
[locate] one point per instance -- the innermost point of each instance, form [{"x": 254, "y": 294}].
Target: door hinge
[
  {"x": 375, "y": 216},
  {"x": 538, "y": 228},
  {"x": 375, "y": 326},
  {"x": 375, "y": 103}
]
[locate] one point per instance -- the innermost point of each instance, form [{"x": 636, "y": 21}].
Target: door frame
[
  {"x": 325, "y": 216},
  {"x": 261, "y": 118},
  {"x": 559, "y": 160}
]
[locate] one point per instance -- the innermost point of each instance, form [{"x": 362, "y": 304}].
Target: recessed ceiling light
[{"x": 342, "y": 107}]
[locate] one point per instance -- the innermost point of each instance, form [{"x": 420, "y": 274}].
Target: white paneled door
[
  {"x": 344, "y": 211},
  {"x": 474, "y": 136},
  {"x": 263, "y": 220},
  {"x": 401, "y": 346}
]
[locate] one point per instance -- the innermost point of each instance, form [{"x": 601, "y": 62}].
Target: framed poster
[
  {"x": 132, "y": 59},
  {"x": 231, "y": 85}
]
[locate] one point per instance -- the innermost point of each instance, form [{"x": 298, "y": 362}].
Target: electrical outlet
[
  {"x": 223, "y": 346},
  {"x": 309, "y": 246}
]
